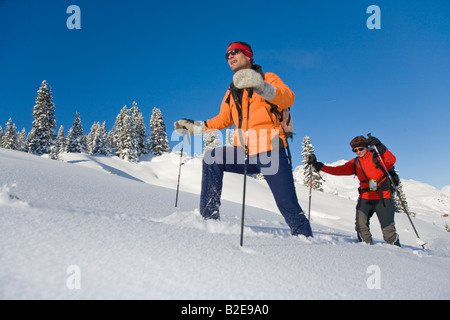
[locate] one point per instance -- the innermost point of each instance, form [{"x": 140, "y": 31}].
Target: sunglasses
[
  {"x": 232, "y": 52},
  {"x": 358, "y": 149}
]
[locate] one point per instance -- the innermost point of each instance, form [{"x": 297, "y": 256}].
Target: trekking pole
[
  {"x": 310, "y": 189},
  {"x": 243, "y": 197},
  {"x": 245, "y": 173},
  {"x": 418, "y": 240},
  {"x": 179, "y": 168}
]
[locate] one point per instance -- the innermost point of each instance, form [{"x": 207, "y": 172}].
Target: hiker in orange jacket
[
  {"x": 258, "y": 133},
  {"x": 375, "y": 190}
]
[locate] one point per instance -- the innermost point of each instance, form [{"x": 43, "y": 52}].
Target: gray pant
[{"x": 385, "y": 212}]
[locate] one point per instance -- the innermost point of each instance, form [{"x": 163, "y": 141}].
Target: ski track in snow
[{"x": 129, "y": 241}]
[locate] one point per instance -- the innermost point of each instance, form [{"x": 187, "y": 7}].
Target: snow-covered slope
[{"x": 113, "y": 226}]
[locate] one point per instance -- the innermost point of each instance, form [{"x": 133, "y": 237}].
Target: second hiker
[{"x": 375, "y": 190}]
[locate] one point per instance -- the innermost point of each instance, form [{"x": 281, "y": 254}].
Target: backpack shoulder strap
[{"x": 355, "y": 163}]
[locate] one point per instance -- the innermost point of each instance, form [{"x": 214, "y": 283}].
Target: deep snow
[{"x": 115, "y": 224}]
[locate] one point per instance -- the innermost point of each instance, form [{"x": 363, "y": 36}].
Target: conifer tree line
[{"x": 127, "y": 138}]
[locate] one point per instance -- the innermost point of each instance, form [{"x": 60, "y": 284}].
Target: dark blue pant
[{"x": 273, "y": 165}]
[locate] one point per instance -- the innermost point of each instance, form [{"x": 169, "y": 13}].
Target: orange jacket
[
  {"x": 371, "y": 171},
  {"x": 264, "y": 128}
]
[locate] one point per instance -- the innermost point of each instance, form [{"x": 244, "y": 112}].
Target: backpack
[
  {"x": 287, "y": 123},
  {"x": 285, "y": 119}
]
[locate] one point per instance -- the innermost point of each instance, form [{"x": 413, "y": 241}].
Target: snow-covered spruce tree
[
  {"x": 97, "y": 140},
  {"x": 138, "y": 131},
  {"x": 22, "y": 144},
  {"x": 91, "y": 139},
  {"x": 54, "y": 154},
  {"x": 1, "y": 133},
  {"x": 158, "y": 141},
  {"x": 111, "y": 140},
  {"x": 123, "y": 137},
  {"x": 42, "y": 135},
  {"x": 61, "y": 140},
  {"x": 121, "y": 133},
  {"x": 398, "y": 200},
  {"x": 9, "y": 138},
  {"x": 104, "y": 147},
  {"x": 308, "y": 149},
  {"x": 75, "y": 141}
]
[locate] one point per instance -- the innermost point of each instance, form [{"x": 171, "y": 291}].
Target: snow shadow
[
  {"x": 319, "y": 236},
  {"x": 111, "y": 170}
]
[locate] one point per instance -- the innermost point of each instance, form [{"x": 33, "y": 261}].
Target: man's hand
[
  {"x": 375, "y": 142},
  {"x": 312, "y": 160},
  {"x": 191, "y": 126},
  {"x": 250, "y": 79}
]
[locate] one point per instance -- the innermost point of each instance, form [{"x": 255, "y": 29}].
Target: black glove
[
  {"x": 312, "y": 160},
  {"x": 374, "y": 142},
  {"x": 318, "y": 166}
]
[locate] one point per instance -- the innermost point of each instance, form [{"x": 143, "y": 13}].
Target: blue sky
[{"x": 348, "y": 80}]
